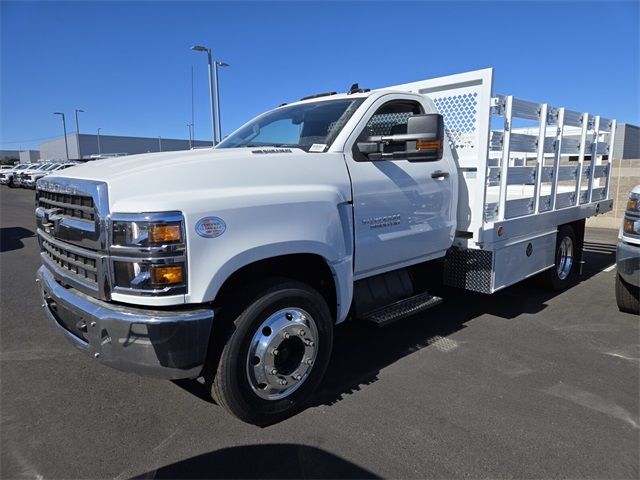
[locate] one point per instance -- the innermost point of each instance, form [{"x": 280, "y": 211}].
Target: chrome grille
[
  {"x": 79, "y": 265},
  {"x": 75, "y": 206}
]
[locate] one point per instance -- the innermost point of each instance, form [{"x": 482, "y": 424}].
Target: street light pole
[
  {"x": 200, "y": 48},
  {"x": 64, "y": 128},
  {"x": 78, "y": 133},
  {"x": 219, "y": 121},
  {"x": 189, "y": 125},
  {"x": 193, "y": 128},
  {"x": 159, "y": 143},
  {"x": 99, "y": 151}
]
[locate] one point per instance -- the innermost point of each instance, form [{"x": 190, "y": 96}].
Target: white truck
[
  {"x": 235, "y": 263},
  {"x": 628, "y": 257}
]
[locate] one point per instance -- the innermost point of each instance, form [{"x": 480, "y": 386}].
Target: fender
[{"x": 342, "y": 269}]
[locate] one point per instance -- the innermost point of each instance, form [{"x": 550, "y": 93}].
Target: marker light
[{"x": 428, "y": 145}]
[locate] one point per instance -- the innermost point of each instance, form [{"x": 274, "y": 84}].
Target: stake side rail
[{"x": 545, "y": 160}]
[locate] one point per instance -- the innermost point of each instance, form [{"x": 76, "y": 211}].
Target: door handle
[{"x": 440, "y": 174}]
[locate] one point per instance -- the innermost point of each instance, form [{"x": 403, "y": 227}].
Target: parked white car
[
  {"x": 7, "y": 176},
  {"x": 33, "y": 167},
  {"x": 29, "y": 179}
]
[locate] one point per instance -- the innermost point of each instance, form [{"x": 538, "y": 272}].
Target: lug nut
[
  {"x": 282, "y": 382},
  {"x": 274, "y": 371},
  {"x": 301, "y": 333},
  {"x": 96, "y": 354},
  {"x": 309, "y": 362},
  {"x": 93, "y": 324},
  {"x": 44, "y": 305},
  {"x": 37, "y": 280},
  {"x": 286, "y": 335},
  {"x": 297, "y": 378},
  {"x": 309, "y": 343},
  {"x": 275, "y": 352}
]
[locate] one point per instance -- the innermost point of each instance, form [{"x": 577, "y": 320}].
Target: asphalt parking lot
[{"x": 521, "y": 384}]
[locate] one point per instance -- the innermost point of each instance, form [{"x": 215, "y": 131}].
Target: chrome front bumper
[
  {"x": 168, "y": 344},
  {"x": 628, "y": 263}
]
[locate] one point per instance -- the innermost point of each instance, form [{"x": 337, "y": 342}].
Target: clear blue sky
[{"x": 128, "y": 64}]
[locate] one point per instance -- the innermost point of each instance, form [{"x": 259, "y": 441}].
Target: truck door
[{"x": 404, "y": 211}]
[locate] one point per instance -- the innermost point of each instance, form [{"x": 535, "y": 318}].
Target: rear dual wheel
[
  {"x": 276, "y": 354},
  {"x": 562, "y": 274}
]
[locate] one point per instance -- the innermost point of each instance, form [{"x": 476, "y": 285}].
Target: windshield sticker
[
  {"x": 210, "y": 227},
  {"x": 318, "y": 147}
]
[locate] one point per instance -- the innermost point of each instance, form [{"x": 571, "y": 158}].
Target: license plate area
[{"x": 71, "y": 322}]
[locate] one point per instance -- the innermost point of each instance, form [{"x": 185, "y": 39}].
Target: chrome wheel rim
[
  {"x": 282, "y": 353},
  {"x": 565, "y": 258}
]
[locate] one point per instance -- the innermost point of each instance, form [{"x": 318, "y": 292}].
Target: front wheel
[
  {"x": 276, "y": 354},
  {"x": 627, "y": 296},
  {"x": 560, "y": 276}
]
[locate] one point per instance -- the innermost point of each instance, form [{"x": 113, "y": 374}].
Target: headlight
[
  {"x": 147, "y": 275},
  {"x": 147, "y": 230},
  {"x": 633, "y": 204},
  {"x": 148, "y": 254},
  {"x": 631, "y": 226}
]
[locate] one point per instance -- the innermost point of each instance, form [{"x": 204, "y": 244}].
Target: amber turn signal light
[
  {"x": 164, "y": 233},
  {"x": 631, "y": 226},
  {"x": 428, "y": 145},
  {"x": 167, "y": 275}
]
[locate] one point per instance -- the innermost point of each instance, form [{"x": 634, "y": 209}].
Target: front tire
[
  {"x": 562, "y": 274},
  {"x": 277, "y": 352},
  {"x": 627, "y": 296}
]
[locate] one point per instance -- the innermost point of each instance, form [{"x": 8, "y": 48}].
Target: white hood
[{"x": 164, "y": 180}]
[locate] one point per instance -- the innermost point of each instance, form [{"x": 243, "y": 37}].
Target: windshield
[
  {"x": 52, "y": 166},
  {"x": 309, "y": 126}
]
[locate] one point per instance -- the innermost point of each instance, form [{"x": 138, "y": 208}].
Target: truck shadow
[
  {"x": 11, "y": 238},
  {"x": 361, "y": 351},
  {"x": 262, "y": 461}
]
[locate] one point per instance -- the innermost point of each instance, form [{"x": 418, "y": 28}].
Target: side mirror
[
  {"x": 422, "y": 142},
  {"x": 430, "y": 127}
]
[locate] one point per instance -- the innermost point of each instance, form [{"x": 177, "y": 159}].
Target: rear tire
[
  {"x": 627, "y": 296},
  {"x": 276, "y": 353},
  {"x": 562, "y": 274}
]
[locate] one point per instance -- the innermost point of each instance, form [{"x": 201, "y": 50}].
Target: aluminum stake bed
[{"x": 517, "y": 184}]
